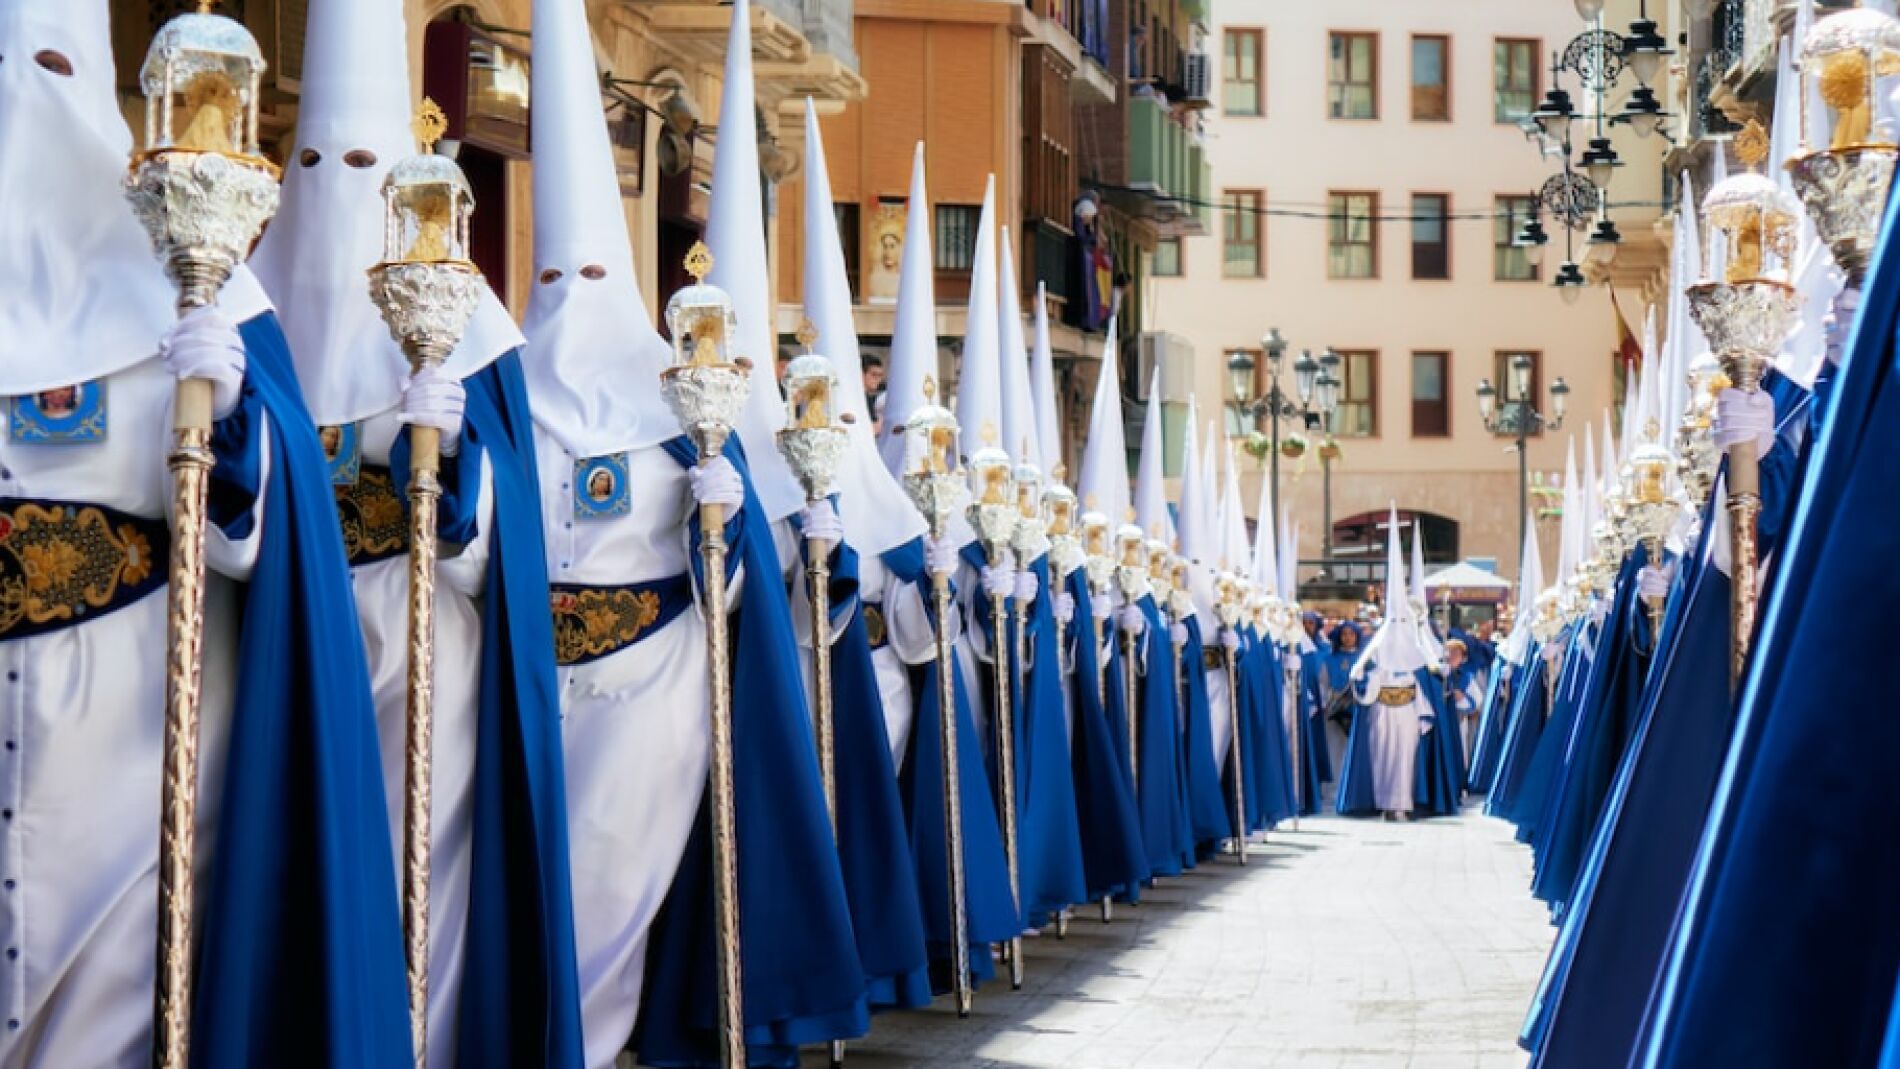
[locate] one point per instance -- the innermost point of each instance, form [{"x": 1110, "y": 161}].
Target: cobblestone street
[{"x": 1347, "y": 944}]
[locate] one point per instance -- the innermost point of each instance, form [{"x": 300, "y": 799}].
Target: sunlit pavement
[{"x": 1348, "y": 943}]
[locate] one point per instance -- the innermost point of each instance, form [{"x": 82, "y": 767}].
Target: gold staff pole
[
  {"x": 992, "y": 514},
  {"x": 706, "y": 388},
  {"x": 813, "y": 447},
  {"x": 1746, "y": 317},
  {"x": 202, "y": 190},
  {"x": 1227, "y": 605},
  {"x": 1132, "y": 579},
  {"x": 1029, "y": 540},
  {"x": 1065, "y": 556},
  {"x": 937, "y": 488},
  {"x": 427, "y": 289},
  {"x": 1101, "y": 571}
]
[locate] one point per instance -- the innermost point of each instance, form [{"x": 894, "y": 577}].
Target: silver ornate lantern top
[
  {"x": 1754, "y": 213},
  {"x": 812, "y": 443},
  {"x": 701, "y": 318},
  {"x": 990, "y": 481},
  {"x": 427, "y": 201},
  {"x": 1058, "y": 509},
  {"x": 200, "y": 80},
  {"x": 1843, "y": 58}
]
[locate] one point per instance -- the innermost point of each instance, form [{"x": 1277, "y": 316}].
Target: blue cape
[
  {"x": 802, "y": 980},
  {"x": 1534, "y": 792},
  {"x": 873, "y": 843},
  {"x": 1113, "y": 856},
  {"x": 1049, "y": 839},
  {"x": 301, "y": 963},
  {"x": 989, "y": 906},
  {"x": 1164, "y": 824},
  {"x": 1268, "y": 765},
  {"x": 1211, "y": 819},
  {"x": 1523, "y": 732},
  {"x": 520, "y": 988},
  {"x": 1440, "y": 771}
]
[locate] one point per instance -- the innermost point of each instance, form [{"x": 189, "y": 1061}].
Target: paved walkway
[{"x": 1347, "y": 944}]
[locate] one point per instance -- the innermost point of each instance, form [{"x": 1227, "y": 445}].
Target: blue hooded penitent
[
  {"x": 1787, "y": 947},
  {"x": 1157, "y": 783},
  {"x": 1114, "y": 858},
  {"x": 803, "y": 983},
  {"x": 301, "y": 964},
  {"x": 1208, "y": 812},
  {"x": 1049, "y": 837},
  {"x": 520, "y": 991}
]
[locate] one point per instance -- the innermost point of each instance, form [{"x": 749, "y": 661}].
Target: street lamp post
[
  {"x": 1520, "y": 418},
  {"x": 1275, "y": 405},
  {"x": 1326, "y": 399}
]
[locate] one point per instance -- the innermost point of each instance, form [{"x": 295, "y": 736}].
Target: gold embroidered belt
[
  {"x": 1397, "y": 697},
  {"x": 64, "y": 562},
  {"x": 591, "y": 622},
  {"x": 875, "y": 627},
  {"x": 374, "y": 515}
]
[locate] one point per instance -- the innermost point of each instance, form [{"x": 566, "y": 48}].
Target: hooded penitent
[
  {"x": 1382, "y": 757},
  {"x": 912, "y": 372},
  {"x": 298, "y": 955}
]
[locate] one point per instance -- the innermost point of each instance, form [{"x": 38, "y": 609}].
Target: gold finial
[
  {"x": 1751, "y": 145},
  {"x": 930, "y": 389},
  {"x": 1128, "y": 514},
  {"x": 429, "y": 124},
  {"x": 205, "y": 6},
  {"x": 699, "y": 261},
  {"x": 1060, "y": 473},
  {"x": 988, "y": 433},
  {"x": 807, "y": 334},
  {"x": 1089, "y": 502}
]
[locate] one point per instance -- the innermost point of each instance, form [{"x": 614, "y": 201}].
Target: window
[
  {"x": 1358, "y": 415},
  {"x": 1431, "y": 79},
  {"x": 1243, "y": 232},
  {"x": 1513, "y": 78},
  {"x": 849, "y": 237},
  {"x": 1167, "y": 261},
  {"x": 1242, "y": 89},
  {"x": 1352, "y": 245},
  {"x": 1431, "y": 410},
  {"x": 955, "y": 239},
  {"x": 1504, "y": 377},
  {"x": 1352, "y": 75},
  {"x": 1509, "y": 263},
  {"x": 1431, "y": 236}
]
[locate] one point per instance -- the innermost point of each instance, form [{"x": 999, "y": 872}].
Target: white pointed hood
[
  {"x": 1530, "y": 583},
  {"x": 1194, "y": 531},
  {"x": 736, "y": 234},
  {"x": 1588, "y": 493},
  {"x": 1212, "y": 536},
  {"x": 979, "y": 371},
  {"x": 1569, "y": 533},
  {"x": 914, "y": 334},
  {"x": 1103, "y": 485},
  {"x": 593, "y": 359},
  {"x": 1266, "y": 555},
  {"x": 1042, "y": 388},
  {"x": 1234, "y": 555},
  {"x": 877, "y": 514},
  {"x": 1395, "y": 646},
  {"x": 1021, "y": 437},
  {"x": 314, "y": 259},
  {"x": 1415, "y": 575},
  {"x": 1151, "y": 490},
  {"x": 81, "y": 294}
]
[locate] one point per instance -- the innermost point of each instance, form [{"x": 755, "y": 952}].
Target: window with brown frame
[
  {"x": 1509, "y": 262},
  {"x": 1243, "y": 83},
  {"x": 1167, "y": 258},
  {"x": 1352, "y": 245},
  {"x": 1431, "y": 395},
  {"x": 1431, "y": 78},
  {"x": 1358, "y": 413},
  {"x": 1505, "y": 378},
  {"x": 1431, "y": 236},
  {"x": 1243, "y": 239},
  {"x": 1352, "y": 75},
  {"x": 1514, "y": 75}
]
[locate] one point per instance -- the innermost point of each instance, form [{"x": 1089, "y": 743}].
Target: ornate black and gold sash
[
  {"x": 1397, "y": 696},
  {"x": 875, "y": 627},
  {"x": 64, "y": 562},
  {"x": 591, "y": 622},
  {"x": 375, "y": 523}
]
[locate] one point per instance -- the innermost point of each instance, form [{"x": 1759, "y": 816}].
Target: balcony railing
[{"x": 1086, "y": 21}]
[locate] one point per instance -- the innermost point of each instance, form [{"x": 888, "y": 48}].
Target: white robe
[
  {"x": 382, "y": 609},
  {"x": 1392, "y": 740},
  {"x": 910, "y": 640},
  {"x": 82, "y": 715},
  {"x": 634, "y": 729}
]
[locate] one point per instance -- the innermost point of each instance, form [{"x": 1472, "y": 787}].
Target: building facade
[{"x": 1372, "y": 174}]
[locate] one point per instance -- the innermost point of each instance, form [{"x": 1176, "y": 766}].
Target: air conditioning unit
[
  {"x": 1174, "y": 355},
  {"x": 1197, "y": 80}
]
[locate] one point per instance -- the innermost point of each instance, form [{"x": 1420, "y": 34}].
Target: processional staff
[
  {"x": 1227, "y": 594},
  {"x": 706, "y": 388},
  {"x": 203, "y": 190},
  {"x": 992, "y": 514},
  {"x": 1100, "y": 571},
  {"x": 938, "y": 490},
  {"x": 1065, "y": 556}
]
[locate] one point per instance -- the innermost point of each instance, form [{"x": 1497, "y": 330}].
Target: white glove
[
  {"x": 1840, "y": 324},
  {"x": 821, "y": 522},
  {"x": 1132, "y": 620},
  {"x": 432, "y": 398},
  {"x": 1653, "y": 582},
  {"x": 1027, "y": 586},
  {"x": 1741, "y": 416},
  {"x": 940, "y": 558},
  {"x": 1065, "y": 607},
  {"x": 1178, "y": 634},
  {"x": 1229, "y": 639},
  {"x": 204, "y": 344},
  {"x": 717, "y": 482},
  {"x": 999, "y": 580},
  {"x": 1103, "y": 606}
]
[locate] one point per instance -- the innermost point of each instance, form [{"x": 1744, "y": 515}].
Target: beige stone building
[{"x": 1363, "y": 151}]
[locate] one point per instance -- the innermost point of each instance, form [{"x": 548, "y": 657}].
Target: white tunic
[
  {"x": 634, "y": 733},
  {"x": 1393, "y": 734},
  {"x": 82, "y": 728},
  {"x": 910, "y": 640},
  {"x": 382, "y": 608}
]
